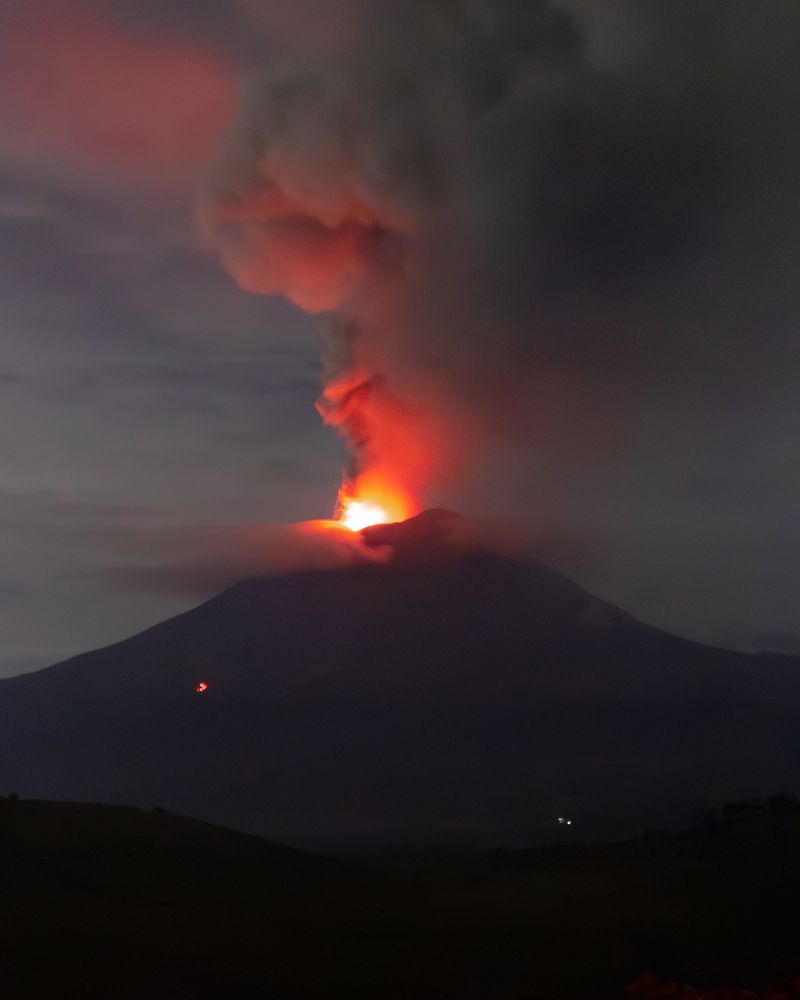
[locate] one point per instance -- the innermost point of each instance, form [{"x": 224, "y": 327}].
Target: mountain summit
[
  {"x": 446, "y": 692},
  {"x": 431, "y": 532}
]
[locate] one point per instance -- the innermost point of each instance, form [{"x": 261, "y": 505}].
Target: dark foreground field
[{"x": 111, "y": 902}]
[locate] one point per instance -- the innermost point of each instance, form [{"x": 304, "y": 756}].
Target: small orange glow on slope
[
  {"x": 201, "y": 687},
  {"x": 370, "y": 502}
]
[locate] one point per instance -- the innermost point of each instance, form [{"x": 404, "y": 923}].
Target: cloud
[
  {"x": 142, "y": 395},
  {"x": 85, "y": 101},
  {"x": 208, "y": 559}
]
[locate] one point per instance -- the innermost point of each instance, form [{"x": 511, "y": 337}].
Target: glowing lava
[
  {"x": 369, "y": 501},
  {"x": 358, "y": 514},
  {"x": 201, "y": 687}
]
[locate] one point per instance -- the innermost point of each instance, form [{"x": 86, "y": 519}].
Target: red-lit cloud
[{"x": 79, "y": 93}]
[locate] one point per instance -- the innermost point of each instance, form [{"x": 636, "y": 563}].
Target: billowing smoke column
[
  {"x": 337, "y": 190},
  {"x": 298, "y": 209},
  {"x": 493, "y": 203}
]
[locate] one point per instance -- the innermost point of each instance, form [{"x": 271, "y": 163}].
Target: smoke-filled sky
[{"x": 551, "y": 248}]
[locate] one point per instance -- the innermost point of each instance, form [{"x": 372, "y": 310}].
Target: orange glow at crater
[
  {"x": 201, "y": 687},
  {"x": 358, "y": 514},
  {"x": 369, "y": 501}
]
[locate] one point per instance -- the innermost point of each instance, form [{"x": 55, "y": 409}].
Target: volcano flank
[{"x": 447, "y": 693}]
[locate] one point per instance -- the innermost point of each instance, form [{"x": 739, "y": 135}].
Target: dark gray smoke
[{"x": 558, "y": 239}]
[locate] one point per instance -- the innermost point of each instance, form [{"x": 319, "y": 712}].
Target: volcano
[{"x": 445, "y": 693}]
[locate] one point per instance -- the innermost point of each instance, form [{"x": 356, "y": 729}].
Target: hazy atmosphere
[
  {"x": 399, "y": 493},
  {"x": 592, "y": 323}
]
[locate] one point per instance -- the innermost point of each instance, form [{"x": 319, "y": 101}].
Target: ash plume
[
  {"x": 339, "y": 189},
  {"x": 552, "y": 244}
]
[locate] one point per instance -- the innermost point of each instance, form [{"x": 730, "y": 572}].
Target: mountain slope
[{"x": 450, "y": 692}]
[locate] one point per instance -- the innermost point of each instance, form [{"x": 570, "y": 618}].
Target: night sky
[{"x": 619, "y": 331}]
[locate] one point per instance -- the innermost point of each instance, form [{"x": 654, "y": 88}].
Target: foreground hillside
[
  {"x": 114, "y": 902},
  {"x": 448, "y": 694}
]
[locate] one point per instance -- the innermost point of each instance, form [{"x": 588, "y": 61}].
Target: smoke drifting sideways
[
  {"x": 205, "y": 560},
  {"x": 504, "y": 210}
]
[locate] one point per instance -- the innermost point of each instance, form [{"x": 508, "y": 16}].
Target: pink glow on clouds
[{"x": 80, "y": 94}]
